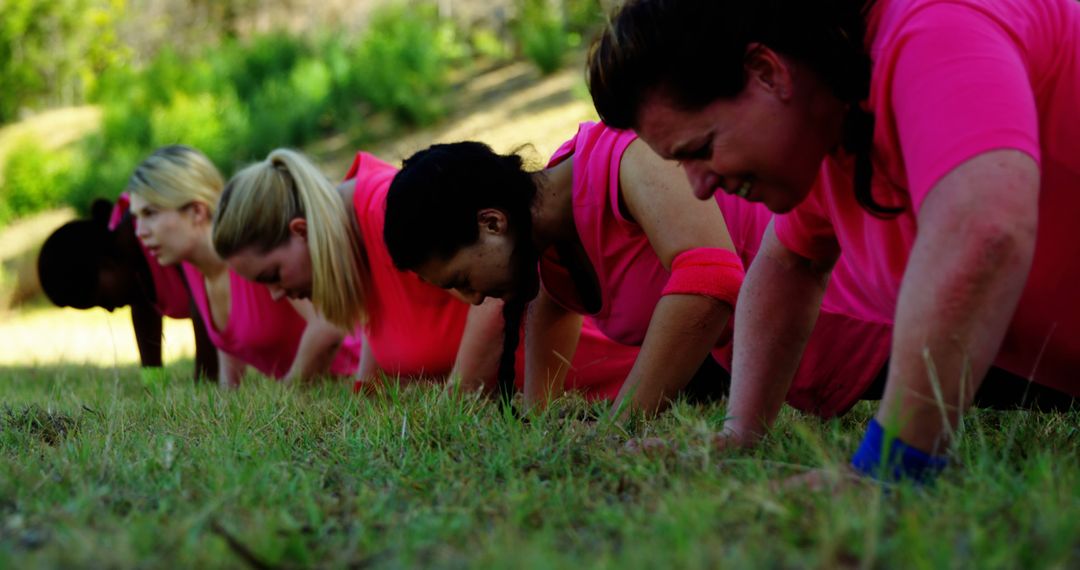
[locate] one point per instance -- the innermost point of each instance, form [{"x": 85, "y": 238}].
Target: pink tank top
[
  {"x": 844, "y": 353},
  {"x": 263, "y": 332},
  {"x": 170, "y": 295}
]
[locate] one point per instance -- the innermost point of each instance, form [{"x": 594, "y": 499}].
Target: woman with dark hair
[
  {"x": 98, "y": 262},
  {"x": 610, "y": 231},
  {"x": 932, "y": 142}
]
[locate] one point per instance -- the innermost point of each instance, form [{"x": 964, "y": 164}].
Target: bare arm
[
  {"x": 961, "y": 287},
  {"x": 147, "y": 324},
  {"x": 230, "y": 370},
  {"x": 778, "y": 306},
  {"x": 551, "y": 339},
  {"x": 318, "y": 345},
  {"x": 206, "y": 356},
  {"x": 683, "y": 328},
  {"x": 477, "y": 363}
]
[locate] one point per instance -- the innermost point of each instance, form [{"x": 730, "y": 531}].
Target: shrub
[
  {"x": 32, "y": 179},
  {"x": 543, "y": 35},
  {"x": 212, "y": 124},
  {"x": 402, "y": 61}
]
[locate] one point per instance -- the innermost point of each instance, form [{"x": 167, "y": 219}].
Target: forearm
[
  {"x": 551, "y": 339},
  {"x": 954, "y": 308},
  {"x": 548, "y": 360},
  {"x": 206, "y": 354},
  {"x": 367, "y": 368},
  {"x": 147, "y": 325},
  {"x": 682, "y": 332},
  {"x": 778, "y": 306},
  {"x": 318, "y": 346},
  {"x": 230, "y": 370},
  {"x": 477, "y": 363}
]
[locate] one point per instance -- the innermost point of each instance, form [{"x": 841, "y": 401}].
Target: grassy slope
[{"x": 165, "y": 476}]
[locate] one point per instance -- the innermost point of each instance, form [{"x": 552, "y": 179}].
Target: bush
[
  {"x": 543, "y": 35},
  {"x": 32, "y": 179},
  {"x": 240, "y": 99},
  {"x": 402, "y": 62},
  {"x": 101, "y": 170},
  {"x": 212, "y": 124}
]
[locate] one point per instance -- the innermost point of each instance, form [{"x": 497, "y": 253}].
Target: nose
[
  {"x": 702, "y": 179},
  {"x": 141, "y": 231}
]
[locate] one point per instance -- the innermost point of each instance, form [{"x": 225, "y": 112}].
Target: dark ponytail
[{"x": 652, "y": 47}]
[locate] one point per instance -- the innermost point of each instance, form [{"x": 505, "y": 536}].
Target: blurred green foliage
[
  {"x": 52, "y": 50},
  {"x": 543, "y": 34},
  {"x": 31, "y": 176},
  {"x": 401, "y": 63},
  {"x": 237, "y": 98},
  {"x": 548, "y": 30}
]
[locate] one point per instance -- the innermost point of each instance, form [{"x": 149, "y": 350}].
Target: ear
[
  {"x": 493, "y": 221},
  {"x": 298, "y": 227},
  {"x": 201, "y": 211},
  {"x": 769, "y": 70}
]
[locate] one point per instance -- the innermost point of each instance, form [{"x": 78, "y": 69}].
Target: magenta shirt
[
  {"x": 845, "y": 351},
  {"x": 262, "y": 332},
  {"x": 953, "y": 80},
  {"x": 413, "y": 328},
  {"x": 170, "y": 295}
]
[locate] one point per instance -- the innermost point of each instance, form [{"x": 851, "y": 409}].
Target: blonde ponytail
[{"x": 256, "y": 208}]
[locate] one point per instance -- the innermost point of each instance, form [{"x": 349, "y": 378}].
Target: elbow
[{"x": 1007, "y": 245}]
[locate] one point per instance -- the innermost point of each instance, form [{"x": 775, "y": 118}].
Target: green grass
[{"x": 99, "y": 471}]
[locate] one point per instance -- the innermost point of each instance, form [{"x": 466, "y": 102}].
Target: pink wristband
[{"x": 708, "y": 271}]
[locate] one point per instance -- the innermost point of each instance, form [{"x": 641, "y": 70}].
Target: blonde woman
[
  {"x": 174, "y": 193},
  {"x": 281, "y": 223}
]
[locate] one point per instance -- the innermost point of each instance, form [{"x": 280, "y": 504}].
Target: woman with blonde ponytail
[
  {"x": 174, "y": 194},
  {"x": 283, "y": 224}
]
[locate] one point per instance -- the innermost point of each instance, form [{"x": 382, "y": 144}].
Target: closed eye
[{"x": 268, "y": 278}]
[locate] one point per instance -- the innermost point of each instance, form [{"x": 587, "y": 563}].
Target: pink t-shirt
[
  {"x": 952, "y": 80},
  {"x": 845, "y": 352},
  {"x": 414, "y": 328},
  {"x": 262, "y": 332},
  {"x": 170, "y": 295}
]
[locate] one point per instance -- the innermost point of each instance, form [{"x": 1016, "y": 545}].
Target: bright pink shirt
[
  {"x": 414, "y": 328},
  {"x": 953, "y": 80},
  {"x": 845, "y": 351},
  {"x": 262, "y": 332},
  {"x": 171, "y": 297}
]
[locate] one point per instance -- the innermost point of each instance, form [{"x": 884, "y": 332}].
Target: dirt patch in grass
[{"x": 49, "y": 426}]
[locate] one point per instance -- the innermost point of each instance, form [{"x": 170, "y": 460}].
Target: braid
[{"x": 513, "y": 312}]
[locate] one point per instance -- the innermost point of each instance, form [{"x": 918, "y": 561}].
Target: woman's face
[
  {"x": 765, "y": 145},
  {"x": 285, "y": 269},
  {"x": 493, "y": 266},
  {"x": 170, "y": 234}
]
